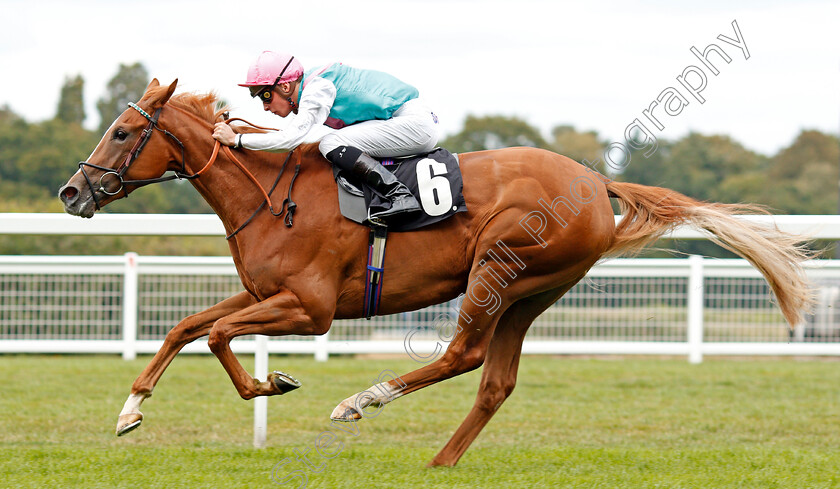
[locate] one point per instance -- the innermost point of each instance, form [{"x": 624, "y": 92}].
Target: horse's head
[{"x": 128, "y": 156}]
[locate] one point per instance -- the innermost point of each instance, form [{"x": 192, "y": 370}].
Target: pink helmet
[{"x": 270, "y": 65}]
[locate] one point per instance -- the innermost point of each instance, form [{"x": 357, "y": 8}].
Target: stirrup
[{"x": 375, "y": 220}]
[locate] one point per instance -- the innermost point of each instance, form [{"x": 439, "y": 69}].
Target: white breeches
[{"x": 413, "y": 129}]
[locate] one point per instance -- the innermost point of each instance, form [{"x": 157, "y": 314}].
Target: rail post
[
  {"x": 260, "y": 402},
  {"x": 322, "y": 343},
  {"x": 695, "y": 309},
  {"x": 129, "y": 307}
]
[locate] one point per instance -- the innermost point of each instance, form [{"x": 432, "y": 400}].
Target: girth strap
[{"x": 375, "y": 268}]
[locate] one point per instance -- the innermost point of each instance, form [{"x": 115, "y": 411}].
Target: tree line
[
  {"x": 37, "y": 157},
  {"x": 801, "y": 178}
]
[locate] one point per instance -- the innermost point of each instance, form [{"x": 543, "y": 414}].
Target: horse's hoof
[
  {"x": 282, "y": 381},
  {"x": 437, "y": 463},
  {"x": 345, "y": 414},
  {"x": 128, "y": 422}
]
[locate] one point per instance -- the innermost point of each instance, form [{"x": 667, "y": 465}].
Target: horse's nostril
[{"x": 67, "y": 194}]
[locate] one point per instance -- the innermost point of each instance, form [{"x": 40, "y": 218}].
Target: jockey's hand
[{"x": 224, "y": 134}]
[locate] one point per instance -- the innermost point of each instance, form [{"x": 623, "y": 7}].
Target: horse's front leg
[
  {"x": 281, "y": 314},
  {"x": 186, "y": 331}
]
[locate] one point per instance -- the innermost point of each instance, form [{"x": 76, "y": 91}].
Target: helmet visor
[{"x": 263, "y": 92}]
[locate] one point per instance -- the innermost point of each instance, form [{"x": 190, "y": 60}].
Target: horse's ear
[
  {"x": 153, "y": 84},
  {"x": 169, "y": 91},
  {"x": 159, "y": 98}
]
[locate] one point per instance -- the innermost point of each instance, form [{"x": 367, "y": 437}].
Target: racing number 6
[{"x": 435, "y": 192}]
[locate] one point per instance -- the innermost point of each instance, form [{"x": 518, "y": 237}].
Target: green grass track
[{"x": 571, "y": 423}]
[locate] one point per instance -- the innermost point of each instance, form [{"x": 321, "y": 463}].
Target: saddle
[{"x": 433, "y": 178}]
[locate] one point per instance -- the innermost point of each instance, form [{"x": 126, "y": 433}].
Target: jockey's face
[{"x": 279, "y": 104}]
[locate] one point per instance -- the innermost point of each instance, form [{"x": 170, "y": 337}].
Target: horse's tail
[{"x": 650, "y": 212}]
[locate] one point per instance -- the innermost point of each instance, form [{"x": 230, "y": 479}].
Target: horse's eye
[{"x": 120, "y": 135}]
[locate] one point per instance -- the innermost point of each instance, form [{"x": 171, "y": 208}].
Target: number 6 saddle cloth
[{"x": 434, "y": 179}]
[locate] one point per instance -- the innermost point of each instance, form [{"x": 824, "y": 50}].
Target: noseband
[{"x": 120, "y": 172}]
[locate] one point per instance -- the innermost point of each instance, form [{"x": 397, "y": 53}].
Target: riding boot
[{"x": 384, "y": 182}]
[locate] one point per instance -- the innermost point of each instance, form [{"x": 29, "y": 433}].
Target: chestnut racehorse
[{"x": 536, "y": 223}]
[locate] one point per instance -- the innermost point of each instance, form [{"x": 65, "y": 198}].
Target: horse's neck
[{"x": 225, "y": 187}]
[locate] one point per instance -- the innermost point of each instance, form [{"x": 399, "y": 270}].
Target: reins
[{"x": 288, "y": 204}]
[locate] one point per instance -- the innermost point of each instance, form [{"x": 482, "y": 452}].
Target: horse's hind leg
[
  {"x": 478, "y": 318},
  {"x": 499, "y": 375},
  {"x": 186, "y": 331},
  {"x": 465, "y": 353}
]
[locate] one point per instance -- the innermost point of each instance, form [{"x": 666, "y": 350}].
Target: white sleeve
[{"x": 314, "y": 106}]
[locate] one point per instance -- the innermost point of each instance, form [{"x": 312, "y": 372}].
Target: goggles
[{"x": 265, "y": 93}]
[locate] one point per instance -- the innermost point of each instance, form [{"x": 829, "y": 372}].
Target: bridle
[{"x": 120, "y": 172}]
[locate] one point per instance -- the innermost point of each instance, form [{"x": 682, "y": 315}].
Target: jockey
[{"x": 374, "y": 114}]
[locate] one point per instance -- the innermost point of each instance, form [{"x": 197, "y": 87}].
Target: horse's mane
[{"x": 205, "y": 106}]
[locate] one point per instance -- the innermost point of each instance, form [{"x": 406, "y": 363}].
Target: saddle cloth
[{"x": 434, "y": 179}]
